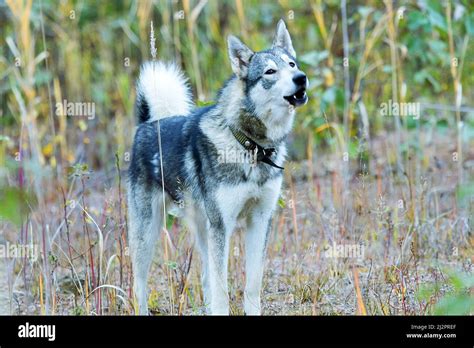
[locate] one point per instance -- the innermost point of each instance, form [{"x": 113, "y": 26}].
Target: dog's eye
[
  {"x": 292, "y": 64},
  {"x": 270, "y": 72}
]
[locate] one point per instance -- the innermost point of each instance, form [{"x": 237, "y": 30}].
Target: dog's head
[{"x": 272, "y": 79}]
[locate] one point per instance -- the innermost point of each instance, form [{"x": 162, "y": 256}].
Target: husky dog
[{"x": 191, "y": 172}]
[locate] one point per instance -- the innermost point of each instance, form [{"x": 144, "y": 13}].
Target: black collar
[{"x": 263, "y": 154}]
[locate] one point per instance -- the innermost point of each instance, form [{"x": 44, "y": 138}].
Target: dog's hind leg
[
  {"x": 198, "y": 223},
  {"x": 145, "y": 217},
  {"x": 256, "y": 237}
]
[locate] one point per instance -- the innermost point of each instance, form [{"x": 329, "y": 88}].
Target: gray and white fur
[{"x": 213, "y": 195}]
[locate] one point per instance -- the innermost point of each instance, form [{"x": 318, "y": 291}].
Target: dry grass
[
  {"x": 399, "y": 198},
  {"x": 405, "y": 245}
]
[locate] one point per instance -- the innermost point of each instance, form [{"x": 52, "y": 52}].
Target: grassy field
[{"x": 376, "y": 215}]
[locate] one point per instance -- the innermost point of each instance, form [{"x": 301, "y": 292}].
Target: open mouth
[{"x": 299, "y": 98}]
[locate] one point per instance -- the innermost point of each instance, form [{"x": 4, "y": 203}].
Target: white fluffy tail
[{"x": 162, "y": 91}]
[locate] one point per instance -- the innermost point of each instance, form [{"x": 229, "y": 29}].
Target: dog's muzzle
[{"x": 299, "y": 97}]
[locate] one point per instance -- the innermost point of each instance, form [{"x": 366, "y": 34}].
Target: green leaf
[
  {"x": 15, "y": 204},
  {"x": 436, "y": 14},
  {"x": 411, "y": 122},
  {"x": 461, "y": 281},
  {"x": 455, "y": 305},
  {"x": 281, "y": 202},
  {"x": 425, "y": 292},
  {"x": 169, "y": 221},
  {"x": 437, "y": 20},
  {"x": 353, "y": 149},
  {"x": 423, "y": 76},
  {"x": 416, "y": 20},
  {"x": 201, "y": 104},
  {"x": 442, "y": 124},
  {"x": 171, "y": 264}
]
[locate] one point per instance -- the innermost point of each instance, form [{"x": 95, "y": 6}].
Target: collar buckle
[{"x": 262, "y": 154}]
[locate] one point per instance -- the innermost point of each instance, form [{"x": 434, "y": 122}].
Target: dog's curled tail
[{"x": 162, "y": 91}]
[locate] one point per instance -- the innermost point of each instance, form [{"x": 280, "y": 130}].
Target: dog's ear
[
  {"x": 283, "y": 39},
  {"x": 239, "y": 55}
]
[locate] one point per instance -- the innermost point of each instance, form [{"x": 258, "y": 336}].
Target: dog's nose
[{"x": 300, "y": 79}]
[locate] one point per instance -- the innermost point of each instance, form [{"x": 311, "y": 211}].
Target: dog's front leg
[
  {"x": 256, "y": 237},
  {"x": 255, "y": 245},
  {"x": 218, "y": 244}
]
